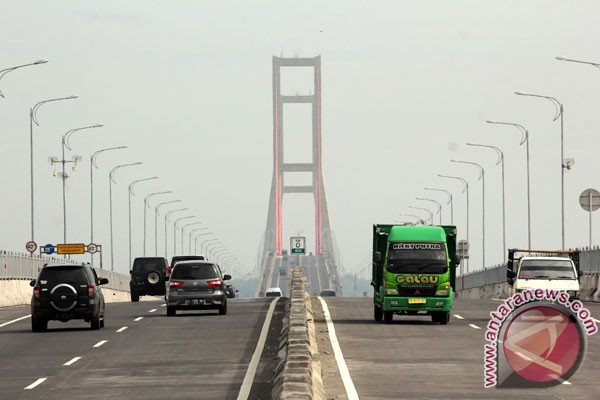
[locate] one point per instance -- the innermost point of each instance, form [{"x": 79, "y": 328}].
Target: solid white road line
[
  {"x": 498, "y": 299},
  {"x": 34, "y": 384},
  {"x": 73, "y": 361},
  {"x": 153, "y": 310},
  {"x": 251, "y": 372},
  {"x": 100, "y": 343},
  {"x": 458, "y": 316},
  {"x": 163, "y": 305},
  {"x": 121, "y": 329},
  {"x": 351, "y": 392},
  {"x": 14, "y": 320},
  {"x": 474, "y": 326},
  {"x": 138, "y": 319}
]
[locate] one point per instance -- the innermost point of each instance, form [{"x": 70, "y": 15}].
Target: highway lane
[
  {"x": 415, "y": 358},
  {"x": 140, "y": 354}
]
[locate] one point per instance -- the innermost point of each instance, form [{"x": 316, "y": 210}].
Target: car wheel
[
  {"x": 39, "y": 324},
  {"x": 95, "y": 323},
  {"x": 135, "y": 297},
  {"x": 223, "y": 309},
  {"x": 171, "y": 311},
  {"x": 388, "y": 317},
  {"x": 102, "y": 322},
  {"x": 377, "y": 313}
]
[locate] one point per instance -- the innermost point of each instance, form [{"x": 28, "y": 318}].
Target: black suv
[
  {"x": 65, "y": 292},
  {"x": 147, "y": 277}
]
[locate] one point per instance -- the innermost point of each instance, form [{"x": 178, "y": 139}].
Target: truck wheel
[
  {"x": 377, "y": 313},
  {"x": 171, "y": 311},
  {"x": 442, "y": 317},
  {"x": 388, "y": 316}
]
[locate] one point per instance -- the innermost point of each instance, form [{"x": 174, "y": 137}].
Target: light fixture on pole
[
  {"x": 563, "y": 163},
  {"x": 524, "y": 139},
  {"x": 465, "y": 189},
  {"x": 93, "y": 164},
  {"x": 32, "y": 119},
  {"x": 64, "y": 176},
  {"x": 208, "y": 243},
  {"x": 175, "y": 231},
  {"x": 425, "y": 209},
  {"x": 213, "y": 249},
  {"x": 131, "y": 186},
  {"x": 563, "y": 58},
  {"x": 196, "y": 240},
  {"x": 146, "y": 206},
  {"x": 7, "y": 70},
  {"x": 189, "y": 234},
  {"x": 156, "y": 207},
  {"x": 500, "y": 161},
  {"x": 482, "y": 177},
  {"x": 111, "y": 180},
  {"x": 436, "y": 202},
  {"x": 166, "y": 220},
  {"x": 449, "y": 202}
]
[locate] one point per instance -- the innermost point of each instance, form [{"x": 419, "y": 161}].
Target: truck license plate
[{"x": 417, "y": 301}]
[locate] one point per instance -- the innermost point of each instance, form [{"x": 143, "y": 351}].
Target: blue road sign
[{"x": 48, "y": 249}]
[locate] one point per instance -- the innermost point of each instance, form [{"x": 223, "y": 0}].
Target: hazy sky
[{"x": 187, "y": 85}]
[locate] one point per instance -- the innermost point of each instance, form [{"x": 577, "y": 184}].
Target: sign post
[{"x": 589, "y": 200}]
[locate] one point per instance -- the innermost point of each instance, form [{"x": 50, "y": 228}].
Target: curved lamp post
[
  {"x": 156, "y": 207},
  {"x": 189, "y": 234},
  {"x": 436, "y": 202},
  {"x": 166, "y": 220},
  {"x": 196, "y": 240},
  {"x": 424, "y": 209},
  {"x": 524, "y": 139},
  {"x": 500, "y": 161},
  {"x": 465, "y": 189},
  {"x": 175, "y": 231},
  {"x": 146, "y": 206},
  {"x": 7, "y": 70},
  {"x": 131, "y": 186},
  {"x": 482, "y": 177},
  {"x": 563, "y": 164},
  {"x": 213, "y": 249},
  {"x": 209, "y": 242},
  {"x": 32, "y": 119},
  {"x": 111, "y": 180},
  {"x": 563, "y": 58},
  {"x": 449, "y": 202}
]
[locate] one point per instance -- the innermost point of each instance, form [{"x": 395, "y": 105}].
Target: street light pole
[
  {"x": 111, "y": 180},
  {"x": 419, "y": 219},
  {"x": 482, "y": 177},
  {"x": 212, "y": 251},
  {"x": 465, "y": 189},
  {"x": 436, "y": 202},
  {"x": 425, "y": 209},
  {"x": 208, "y": 243},
  {"x": 449, "y": 202},
  {"x": 166, "y": 220},
  {"x": 146, "y": 206},
  {"x": 559, "y": 114},
  {"x": 175, "y": 231},
  {"x": 7, "y": 70},
  {"x": 131, "y": 186},
  {"x": 500, "y": 161},
  {"x": 524, "y": 139},
  {"x": 189, "y": 235},
  {"x": 32, "y": 119},
  {"x": 156, "y": 224},
  {"x": 196, "y": 240},
  {"x": 563, "y": 58}
]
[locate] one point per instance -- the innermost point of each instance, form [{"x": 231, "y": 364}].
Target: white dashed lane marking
[
  {"x": 100, "y": 343},
  {"x": 73, "y": 361},
  {"x": 36, "y": 383},
  {"x": 138, "y": 319},
  {"x": 121, "y": 329},
  {"x": 153, "y": 310},
  {"x": 474, "y": 326},
  {"x": 458, "y": 316},
  {"x": 14, "y": 320}
]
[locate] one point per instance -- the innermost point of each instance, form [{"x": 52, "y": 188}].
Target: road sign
[
  {"x": 589, "y": 199},
  {"x": 48, "y": 249},
  {"x": 31, "y": 246},
  {"x": 462, "y": 248},
  {"x": 70, "y": 248},
  {"x": 298, "y": 244},
  {"x": 92, "y": 248}
]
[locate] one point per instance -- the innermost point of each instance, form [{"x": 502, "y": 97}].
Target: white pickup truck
[{"x": 544, "y": 269}]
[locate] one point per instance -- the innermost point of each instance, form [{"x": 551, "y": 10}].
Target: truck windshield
[
  {"x": 547, "y": 269},
  {"x": 417, "y": 258}
]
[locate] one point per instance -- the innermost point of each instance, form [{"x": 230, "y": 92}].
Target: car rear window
[
  {"x": 194, "y": 271},
  {"x": 148, "y": 265},
  {"x": 63, "y": 274}
]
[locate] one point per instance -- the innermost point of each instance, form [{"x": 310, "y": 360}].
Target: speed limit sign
[
  {"x": 92, "y": 248},
  {"x": 31, "y": 246}
]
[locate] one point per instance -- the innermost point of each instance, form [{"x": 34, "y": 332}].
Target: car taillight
[
  {"x": 175, "y": 284},
  {"x": 91, "y": 290},
  {"x": 215, "y": 283},
  {"x": 169, "y": 269},
  {"x": 36, "y": 291}
]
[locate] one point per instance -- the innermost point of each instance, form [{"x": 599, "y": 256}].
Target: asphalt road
[
  {"x": 140, "y": 354},
  {"x": 413, "y": 358}
]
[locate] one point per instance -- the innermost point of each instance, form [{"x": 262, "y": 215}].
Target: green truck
[{"x": 414, "y": 271}]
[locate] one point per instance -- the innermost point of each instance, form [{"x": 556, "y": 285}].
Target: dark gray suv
[
  {"x": 196, "y": 285},
  {"x": 65, "y": 292}
]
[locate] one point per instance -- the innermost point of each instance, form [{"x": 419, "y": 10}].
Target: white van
[
  {"x": 558, "y": 273},
  {"x": 273, "y": 292}
]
